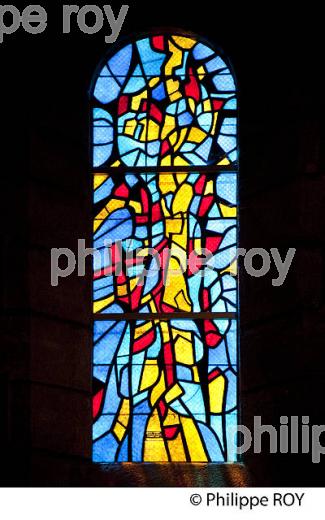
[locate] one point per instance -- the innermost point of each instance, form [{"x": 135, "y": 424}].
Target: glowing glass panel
[{"x": 165, "y": 229}]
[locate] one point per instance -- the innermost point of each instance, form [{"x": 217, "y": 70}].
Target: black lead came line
[
  {"x": 231, "y": 168},
  {"x": 166, "y": 316}
]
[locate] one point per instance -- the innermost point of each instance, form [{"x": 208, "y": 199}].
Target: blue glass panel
[
  {"x": 103, "y": 191},
  {"x": 107, "y": 89},
  {"x": 227, "y": 187},
  {"x": 159, "y": 92},
  {"x": 101, "y": 154},
  {"x": 104, "y": 450},
  {"x": 102, "y": 425},
  {"x": 212, "y": 444},
  {"x": 215, "y": 64},
  {"x": 224, "y": 83},
  {"x": 231, "y": 429},
  {"x": 231, "y": 104},
  {"x": 123, "y": 453},
  {"x": 202, "y": 51},
  {"x": 151, "y": 60},
  {"x": 119, "y": 64}
]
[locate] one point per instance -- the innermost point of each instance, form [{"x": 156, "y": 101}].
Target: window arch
[{"x": 164, "y": 153}]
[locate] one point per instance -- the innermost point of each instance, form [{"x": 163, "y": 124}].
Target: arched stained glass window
[{"x": 164, "y": 150}]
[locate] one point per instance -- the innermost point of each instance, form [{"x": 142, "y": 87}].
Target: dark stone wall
[{"x": 45, "y": 374}]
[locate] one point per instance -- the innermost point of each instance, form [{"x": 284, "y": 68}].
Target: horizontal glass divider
[
  {"x": 184, "y": 216},
  {"x": 217, "y": 72},
  {"x": 123, "y": 363},
  {"x": 166, "y": 316},
  {"x": 107, "y": 170},
  {"x": 194, "y": 414}
]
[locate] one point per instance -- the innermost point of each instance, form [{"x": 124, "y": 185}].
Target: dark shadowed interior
[{"x": 46, "y": 332}]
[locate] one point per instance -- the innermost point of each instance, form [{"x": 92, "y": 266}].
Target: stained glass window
[{"x": 164, "y": 152}]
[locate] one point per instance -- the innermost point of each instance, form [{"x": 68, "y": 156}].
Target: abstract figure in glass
[{"x": 165, "y": 297}]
